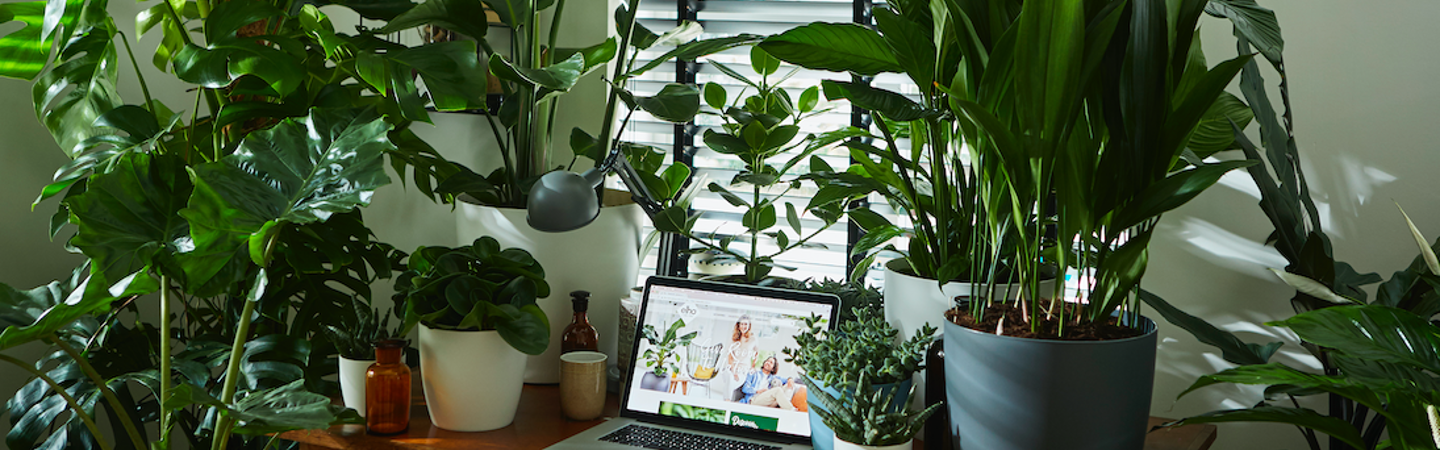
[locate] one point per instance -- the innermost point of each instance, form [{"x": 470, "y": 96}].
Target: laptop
[{"x": 718, "y": 391}]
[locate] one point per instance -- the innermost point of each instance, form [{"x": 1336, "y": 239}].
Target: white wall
[
  {"x": 1365, "y": 115},
  {"x": 1365, "y": 112}
]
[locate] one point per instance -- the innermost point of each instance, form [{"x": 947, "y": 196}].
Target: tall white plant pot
[
  {"x": 352, "y": 382},
  {"x": 472, "y": 379},
  {"x": 911, "y": 302},
  {"x": 602, "y": 258}
]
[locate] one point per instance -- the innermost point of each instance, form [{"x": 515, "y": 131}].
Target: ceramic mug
[{"x": 582, "y": 385}]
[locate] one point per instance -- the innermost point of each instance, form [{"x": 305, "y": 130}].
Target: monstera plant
[{"x": 237, "y": 213}]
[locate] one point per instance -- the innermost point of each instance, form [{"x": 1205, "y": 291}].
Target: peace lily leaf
[
  {"x": 1256, "y": 23},
  {"x": 301, "y": 170},
  {"x": 461, "y": 16},
  {"x": 674, "y": 103},
  {"x": 1231, "y": 348},
  {"x": 595, "y": 56},
  {"x": 890, "y": 104},
  {"x": 1370, "y": 332},
  {"x": 28, "y": 315},
  {"x": 1172, "y": 192},
  {"x": 1425, "y": 251},
  {"x": 1301, "y": 417},
  {"x": 1311, "y": 287},
  {"x": 840, "y": 47},
  {"x": 128, "y": 218},
  {"x": 691, "y": 51}
]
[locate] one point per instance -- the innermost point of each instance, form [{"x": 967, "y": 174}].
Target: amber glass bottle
[
  {"x": 387, "y": 390},
  {"x": 579, "y": 335}
]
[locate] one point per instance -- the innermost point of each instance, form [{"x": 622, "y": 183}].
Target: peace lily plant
[{"x": 240, "y": 207}]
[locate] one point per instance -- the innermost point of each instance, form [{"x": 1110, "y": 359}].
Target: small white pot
[
  {"x": 352, "y": 382},
  {"x": 472, "y": 379},
  {"x": 602, "y": 258},
  {"x": 842, "y": 445}
]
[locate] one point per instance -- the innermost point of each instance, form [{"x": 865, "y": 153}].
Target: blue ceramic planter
[{"x": 821, "y": 437}]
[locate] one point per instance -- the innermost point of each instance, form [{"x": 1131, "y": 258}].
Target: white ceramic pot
[
  {"x": 842, "y": 445},
  {"x": 352, "y": 382},
  {"x": 472, "y": 379},
  {"x": 911, "y": 302},
  {"x": 602, "y": 257}
]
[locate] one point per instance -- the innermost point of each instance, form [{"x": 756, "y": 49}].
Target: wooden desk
[{"x": 539, "y": 424}]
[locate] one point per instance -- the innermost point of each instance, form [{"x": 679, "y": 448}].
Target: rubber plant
[{"x": 241, "y": 208}]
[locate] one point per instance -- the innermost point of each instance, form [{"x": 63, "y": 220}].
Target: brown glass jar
[
  {"x": 580, "y": 335},
  {"x": 387, "y": 390}
]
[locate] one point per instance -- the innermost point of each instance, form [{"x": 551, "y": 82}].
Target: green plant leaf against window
[
  {"x": 892, "y": 105},
  {"x": 674, "y": 103},
  {"x": 560, "y": 76},
  {"x": 462, "y": 16},
  {"x": 692, "y": 50},
  {"x": 833, "y": 46},
  {"x": 300, "y": 171}
]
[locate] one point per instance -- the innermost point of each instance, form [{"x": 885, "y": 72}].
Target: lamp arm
[{"x": 631, "y": 178}]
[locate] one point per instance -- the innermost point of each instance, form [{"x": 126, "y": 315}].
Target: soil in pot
[{"x": 1015, "y": 324}]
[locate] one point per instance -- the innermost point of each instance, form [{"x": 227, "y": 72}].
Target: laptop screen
[{"x": 711, "y": 354}]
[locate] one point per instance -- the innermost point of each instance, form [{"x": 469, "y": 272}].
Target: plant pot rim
[
  {"x": 353, "y": 359},
  {"x": 613, "y": 198},
  {"x": 442, "y": 330},
  {"x": 1149, "y": 325},
  {"x": 900, "y": 268}
]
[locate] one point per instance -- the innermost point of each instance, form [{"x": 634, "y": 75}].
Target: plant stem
[
  {"x": 164, "y": 361},
  {"x": 232, "y": 375},
  {"x": 74, "y": 407},
  {"x": 621, "y": 67},
  {"x": 555, "y": 27},
  {"x": 204, "y": 7},
  {"x": 120, "y": 411},
  {"x": 144, "y": 88}
]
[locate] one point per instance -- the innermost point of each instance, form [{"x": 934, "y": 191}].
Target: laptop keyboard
[{"x": 662, "y": 439}]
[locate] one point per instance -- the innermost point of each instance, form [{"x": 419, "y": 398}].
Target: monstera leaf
[
  {"x": 229, "y": 56},
  {"x": 28, "y": 315},
  {"x": 301, "y": 171},
  {"x": 81, "y": 87},
  {"x": 129, "y": 218},
  {"x": 284, "y": 408}
]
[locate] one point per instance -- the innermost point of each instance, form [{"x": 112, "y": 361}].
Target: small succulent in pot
[
  {"x": 356, "y": 334},
  {"x": 854, "y": 295},
  {"x": 865, "y": 347},
  {"x": 479, "y": 287},
  {"x": 867, "y": 417}
]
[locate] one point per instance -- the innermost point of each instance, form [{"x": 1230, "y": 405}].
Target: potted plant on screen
[
  {"x": 872, "y": 419},
  {"x": 867, "y": 347},
  {"x": 762, "y": 131},
  {"x": 539, "y": 77},
  {"x": 475, "y": 306},
  {"x": 663, "y": 356}
]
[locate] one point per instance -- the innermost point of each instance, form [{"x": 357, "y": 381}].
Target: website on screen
[{"x": 732, "y": 370}]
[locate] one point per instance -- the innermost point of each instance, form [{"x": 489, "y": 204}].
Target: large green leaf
[
  {"x": 560, "y": 76},
  {"x": 1370, "y": 332},
  {"x": 80, "y": 88},
  {"x": 692, "y": 50},
  {"x": 840, "y": 47},
  {"x": 1256, "y": 23},
  {"x": 453, "y": 74},
  {"x": 129, "y": 218},
  {"x": 1173, "y": 191},
  {"x": 32, "y": 314},
  {"x": 300, "y": 171},
  {"x": 462, "y": 16},
  {"x": 892, "y": 105},
  {"x": 226, "y": 56},
  {"x": 1231, "y": 348},
  {"x": 1213, "y": 133},
  {"x": 24, "y": 52},
  {"x": 674, "y": 103},
  {"x": 1300, "y": 417}
]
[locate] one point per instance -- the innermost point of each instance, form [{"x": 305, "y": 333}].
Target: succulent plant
[
  {"x": 868, "y": 417},
  {"x": 867, "y": 345},
  {"x": 355, "y": 336}
]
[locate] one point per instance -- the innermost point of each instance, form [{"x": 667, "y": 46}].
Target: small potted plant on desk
[
  {"x": 476, "y": 309},
  {"x": 354, "y": 339},
  {"x": 867, "y": 348},
  {"x": 869, "y": 420}
]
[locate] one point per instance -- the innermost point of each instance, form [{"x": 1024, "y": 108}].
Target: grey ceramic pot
[{"x": 1008, "y": 393}]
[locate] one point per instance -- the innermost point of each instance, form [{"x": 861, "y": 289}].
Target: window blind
[{"x": 721, "y": 18}]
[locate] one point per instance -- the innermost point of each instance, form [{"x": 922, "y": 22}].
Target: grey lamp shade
[{"x": 564, "y": 201}]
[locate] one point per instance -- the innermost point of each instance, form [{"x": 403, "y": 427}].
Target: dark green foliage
[
  {"x": 476, "y": 288},
  {"x": 865, "y": 347},
  {"x": 867, "y": 418},
  {"x": 854, "y": 295},
  {"x": 356, "y": 335}
]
